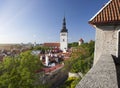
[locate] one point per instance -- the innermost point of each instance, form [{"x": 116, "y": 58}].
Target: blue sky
[{"x": 23, "y": 21}]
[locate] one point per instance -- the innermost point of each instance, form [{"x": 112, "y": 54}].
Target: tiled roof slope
[
  {"x": 109, "y": 14},
  {"x": 52, "y": 44}
]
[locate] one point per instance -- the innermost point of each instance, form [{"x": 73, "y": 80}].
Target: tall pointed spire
[
  {"x": 64, "y": 23},
  {"x": 64, "y": 29}
]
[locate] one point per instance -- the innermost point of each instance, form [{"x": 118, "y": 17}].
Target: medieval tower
[{"x": 64, "y": 37}]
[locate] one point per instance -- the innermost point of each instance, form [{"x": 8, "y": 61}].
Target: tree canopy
[
  {"x": 19, "y": 72},
  {"x": 81, "y": 60}
]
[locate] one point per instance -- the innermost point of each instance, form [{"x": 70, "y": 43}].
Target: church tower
[{"x": 64, "y": 37}]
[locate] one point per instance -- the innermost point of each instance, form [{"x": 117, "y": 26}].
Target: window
[{"x": 63, "y": 35}]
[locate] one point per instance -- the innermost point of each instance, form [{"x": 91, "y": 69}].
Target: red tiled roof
[
  {"x": 109, "y": 14},
  {"x": 81, "y": 40},
  {"x": 52, "y": 44},
  {"x": 50, "y": 69}
]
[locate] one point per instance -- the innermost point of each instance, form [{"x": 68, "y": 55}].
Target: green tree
[
  {"x": 81, "y": 60},
  {"x": 74, "y": 44},
  {"x": 37, "y": 48},
  {"x": 70, "y": 82},
  {"x": 20, "y": 72}
]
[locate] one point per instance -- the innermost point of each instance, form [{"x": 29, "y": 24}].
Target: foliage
[
  {"x": 70, "y": 82},
  {"x": 82, "y": 65},
  {"x": 20, "y": 72},
  {"x": 81, "y": 58},
  {"x": 43, "y": 48},
  {"x": 74, "y": 44},
  {"x": 81, "y": 61}
]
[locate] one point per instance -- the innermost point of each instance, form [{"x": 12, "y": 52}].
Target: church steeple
[
  {"x": 64, "y": 37},
  {"x": 64, "y": 29}
]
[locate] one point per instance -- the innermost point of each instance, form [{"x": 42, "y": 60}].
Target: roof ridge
[{"x": 100, "y": 10}]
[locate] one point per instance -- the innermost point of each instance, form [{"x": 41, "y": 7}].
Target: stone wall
[
  {"x": 101, "y": 75},
  {"x": 55, "y": 78},
  {"x": 106, "y": 41}
]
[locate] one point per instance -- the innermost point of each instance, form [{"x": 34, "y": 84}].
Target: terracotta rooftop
[
  {"x": 50, "y": 69},
  {"x": 109, "y": 14},
  {"x": 81, "y": 40},
  {"x": 52, "y": 44}
]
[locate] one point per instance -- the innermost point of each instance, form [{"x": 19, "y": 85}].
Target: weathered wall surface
[
  {"x": 102, "y": 74},
  {"x": 55, "y": 78},
  {"x": 106, "y": 41}
]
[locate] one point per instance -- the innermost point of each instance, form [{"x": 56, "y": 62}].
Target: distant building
[
  {"x": 81, "y": 41},
  {"x": 35, "y": 44},
  {"x": 63, "y": 45},
  {"x": 64, "y": 37},
  {"x": 52, "y": 45}
]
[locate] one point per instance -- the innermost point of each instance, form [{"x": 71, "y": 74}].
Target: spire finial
[
  {"x": 64, "y": 23},
  {"x": 64, "y": 20}
]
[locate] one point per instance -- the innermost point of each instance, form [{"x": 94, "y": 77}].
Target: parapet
[{"x": 102, "y": 74}]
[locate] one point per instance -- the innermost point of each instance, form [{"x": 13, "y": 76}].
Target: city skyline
[{"x": 23, "y": 21}]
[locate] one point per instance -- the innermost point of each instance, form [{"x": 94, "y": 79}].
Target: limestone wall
[
  {"x": 55, "y": 78},
  {"x": 101, "y": 75},
  {"x": 106, "y": 41}
]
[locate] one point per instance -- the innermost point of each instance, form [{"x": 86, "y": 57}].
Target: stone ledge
[{"x": 102, "y": 74}]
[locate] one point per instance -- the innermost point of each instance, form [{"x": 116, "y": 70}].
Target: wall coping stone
[{"x": 101, "y": 75}]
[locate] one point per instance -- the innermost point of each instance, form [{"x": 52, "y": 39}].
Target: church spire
[
  {"x": 64, "y": 23},
  {"x": 64, "y": 26}
]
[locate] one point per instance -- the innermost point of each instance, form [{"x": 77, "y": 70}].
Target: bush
[
  {"x": 81, "y": 61},
  {"x": 70, "y": 82}
]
